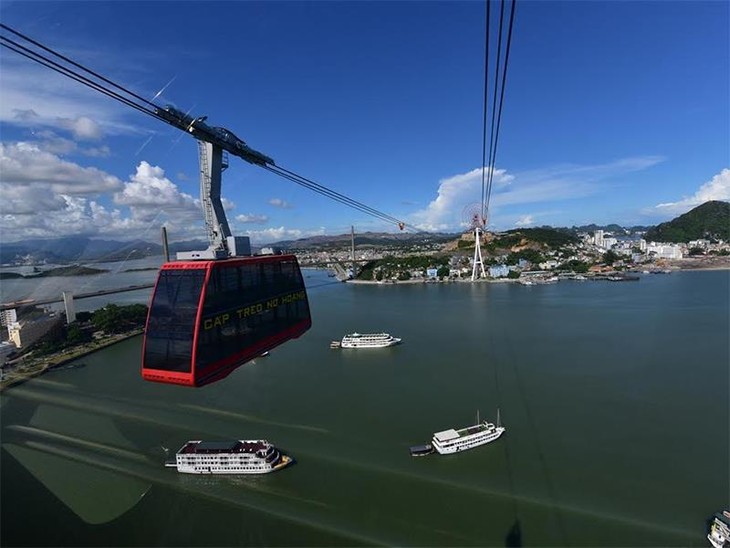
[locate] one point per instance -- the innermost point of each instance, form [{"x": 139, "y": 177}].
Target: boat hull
[
  {"x": 369, "y": 345},
  {"x": 213, "y": 470}
]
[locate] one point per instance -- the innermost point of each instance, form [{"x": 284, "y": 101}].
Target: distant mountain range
[
  {"x": 710, "y": 220},
  {"x": 73, "y": 249},
  {"x": 365, "y": 239}
]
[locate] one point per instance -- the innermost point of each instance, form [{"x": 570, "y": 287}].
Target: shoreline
[
  {"x": 41, "y": 365},
  {"x": 673, "y": 268}
]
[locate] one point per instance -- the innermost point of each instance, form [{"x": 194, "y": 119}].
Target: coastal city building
[
  {"x": 25, "y": 332},
  {"x": 598, "y": 238},
  {"x": 664, "y": 251}
]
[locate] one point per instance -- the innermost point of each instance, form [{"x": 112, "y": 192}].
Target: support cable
[
  {"x": 494, "y": 101},
  {"x": 77, "y": 65},
  {"x": 501, "y": 100},
  {"x": 40, "y": 59},
  {"x": 484, "y": 120},
  {"x": 338, "y": 197}
]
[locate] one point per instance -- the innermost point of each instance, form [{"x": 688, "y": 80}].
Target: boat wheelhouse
[
  {"x": 368, "y": 340},
  {"x": 454, "y": 441},
  {"x": 229, "y": 457}
]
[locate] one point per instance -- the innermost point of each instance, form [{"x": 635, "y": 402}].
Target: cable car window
[
  {"x": 248, "y": 305},
  {"x": 171, "y": 323}
]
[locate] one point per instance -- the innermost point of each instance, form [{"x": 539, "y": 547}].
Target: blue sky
[{"x": 614, "y": 112}]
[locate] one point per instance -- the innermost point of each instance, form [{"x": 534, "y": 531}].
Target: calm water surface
[{"x": 614, "y": 396}]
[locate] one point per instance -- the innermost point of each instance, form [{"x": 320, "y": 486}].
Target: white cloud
[
  {"x": 150, "y": 187},
  {"x": 270, "y": 235},
  {"x": 454, "y": 194},
  {"x": 252, "y": 218},
  {"x": 44, "y": 196},
  {"x": 536, "y": 186},
  {"x": 82, "y": 127},
  {"x": 278, "y": 202},
  {"x": 525, "y": 220},
  {"x": 26, "y": 164},
  {"x": 717, "y": 188},
  {"x": 152, "y": 197}
]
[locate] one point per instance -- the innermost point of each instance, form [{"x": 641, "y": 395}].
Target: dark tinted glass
[
  {"x": 247, "y": 304},
  {"x": 171, "y": 324}
]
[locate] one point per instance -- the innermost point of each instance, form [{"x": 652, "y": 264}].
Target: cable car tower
[
  {"x": 214, "y": 145},
  {"x": 477, "y": 221}
]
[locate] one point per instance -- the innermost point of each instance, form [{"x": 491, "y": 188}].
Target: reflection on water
[{"x": 594, "y": 382}]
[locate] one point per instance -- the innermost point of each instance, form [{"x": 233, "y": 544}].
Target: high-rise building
[
  {"x": 598, "y": 238},
  {"x": 68, "y": 302}
]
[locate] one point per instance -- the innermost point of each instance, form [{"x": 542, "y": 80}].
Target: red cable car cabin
[{"x": 206, "y": 318}]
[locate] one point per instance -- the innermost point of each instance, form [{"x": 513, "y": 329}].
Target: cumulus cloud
[
  {"x": 453, "y": 195},
  {"x": 270, "y": 235},
  {"x": 44, "y": 196},
  {"x": 525, "y": 220},
  {"x": 24, "y": 164},
  {"x": 149, "y": 194},
  {"x": 73, "y": 215},
  {"x": 717, "y": 188},
  {"x": 278, "y": 202},
  {"x": 252, "y": 218}
]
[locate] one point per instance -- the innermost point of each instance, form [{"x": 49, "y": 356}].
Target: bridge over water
[{"x": 52, "y": 300}]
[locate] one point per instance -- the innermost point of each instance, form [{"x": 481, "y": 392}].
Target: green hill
[{"x": 710, "y": 221}]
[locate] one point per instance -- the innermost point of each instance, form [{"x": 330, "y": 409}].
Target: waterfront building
[
  {"x": 499, "y": 271},
  {"x": 24, "y": 333},
  {"x": 8, "y": 317},
  {"x": 664, "y": 251}
]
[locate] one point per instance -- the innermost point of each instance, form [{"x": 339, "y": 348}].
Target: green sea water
[{"x": 614, "y": 396}]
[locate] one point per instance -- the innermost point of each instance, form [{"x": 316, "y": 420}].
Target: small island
[{"x": 74, "y": 270}]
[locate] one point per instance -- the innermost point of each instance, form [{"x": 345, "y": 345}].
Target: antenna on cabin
[{"x": 473, "y": 217}]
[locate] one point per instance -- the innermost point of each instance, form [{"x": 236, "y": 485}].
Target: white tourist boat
[
  {"x": 719, "y": 534},
  {"x": 454, "y": 441},
  {"x": 368, "y": 340},
  {"x": 229, "y": 457}
]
